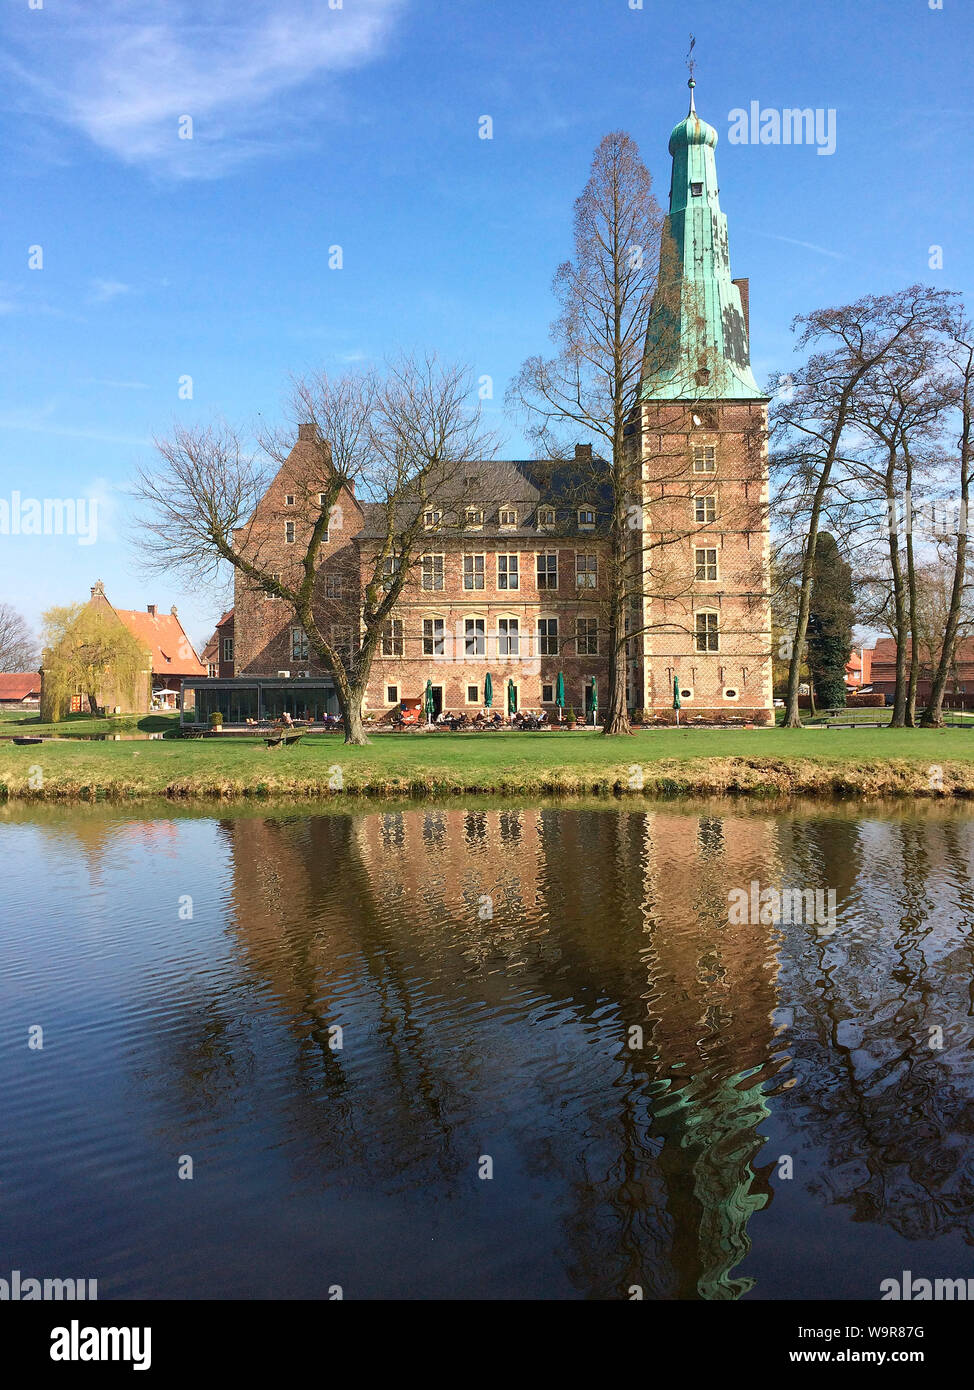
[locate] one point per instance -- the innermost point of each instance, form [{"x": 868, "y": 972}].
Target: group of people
[{"x": 482, "y": 720}]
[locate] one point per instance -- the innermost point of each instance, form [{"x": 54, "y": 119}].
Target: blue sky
[{"x": 358, "y": 126}]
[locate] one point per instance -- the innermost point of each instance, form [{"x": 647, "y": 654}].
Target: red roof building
[{"x": 20, "y": 689}]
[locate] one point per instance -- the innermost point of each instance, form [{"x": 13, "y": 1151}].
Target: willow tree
[
  {"x": 591, "y": 385},
  {"x": 88, "y": 650},
  {"x": 394, "y": 441}
]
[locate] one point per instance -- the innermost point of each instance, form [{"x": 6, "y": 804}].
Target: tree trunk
[
  {"x": 911, "y": 605},
  {"x": 616, "y": 708},
  {"x": 352, "y": 714},
  {"x": 898, "y": 717}
]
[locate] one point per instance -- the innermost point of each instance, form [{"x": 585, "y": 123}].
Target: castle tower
[{"x": 706, "y": 613}]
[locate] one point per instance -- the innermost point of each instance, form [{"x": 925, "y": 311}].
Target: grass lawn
[
  {"x": 863, "y": 762},
  {"x": 29, "y": 722}
]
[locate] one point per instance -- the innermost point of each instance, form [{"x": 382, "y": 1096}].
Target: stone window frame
[
  {"x": 589, "y": 554},
  {"x": 467, "y": 687},
  {"x": 544, "y": 513},
  {"x": 392, "y": 685},
  {"x": 705, "y": 564},
  {"x": 586, "y": 509},
  {"x": 508, "y": 555},
  {"x": 700, "y": 456},
  {"x": 548, "y": 685},
  {"x": 507, "y": 509},
  {"x": 431, "y": 637},
  {"x": 476, "y": 512},
  {"x": 432, "y": 519},
  {"x": 707, "y": 632},
  {"x": 480, "y": 555},
  {"x": 393, "y": 638},
  {"x": 290, "y": 532},
  {"x": 546, "y": 588},
  {"x": 227, "y": 649},
  {"x": 289, "y": 499},
  {"x": 508, "y": 618},
  {"x": 300, "y": 649},
  {"x": 336, "y": 584},
  {"x": 475, "y": 618},
  {"x": 585, "y": 618},
  {"x": 704, "y": 497},
  {"x": 547, "y": 618},
  {"x": 432, "y": 588}
]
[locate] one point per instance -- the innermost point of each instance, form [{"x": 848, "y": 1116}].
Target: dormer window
[
  {"x": 696, "y": 190},
  {"x": 474, "y": 517},
  {"x": 546, "y": 516},
  {"x": 432, "y": 519},
  {"x": 508, "y": 517},
  {"x": 586, "y": 517}
]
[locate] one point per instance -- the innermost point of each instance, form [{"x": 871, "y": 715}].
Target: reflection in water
[{"x": 361, "y": 1007}]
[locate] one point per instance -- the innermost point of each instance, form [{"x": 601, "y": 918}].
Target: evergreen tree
[{"x": 830, "y": 618}]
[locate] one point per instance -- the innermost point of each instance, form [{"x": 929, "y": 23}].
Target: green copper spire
[{"x": 696, "y": 347}]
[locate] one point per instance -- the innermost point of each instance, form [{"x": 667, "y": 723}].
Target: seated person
[{"x": 287, "y": 721}]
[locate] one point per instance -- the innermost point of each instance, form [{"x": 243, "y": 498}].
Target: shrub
[
  {"x": 872, "y": 701},
  {"x": 216, "y": 719}
]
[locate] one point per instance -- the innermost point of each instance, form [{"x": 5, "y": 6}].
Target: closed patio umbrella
[
  {"x": 560, "y": 693},
  {"x": 511, "y": 698},
  {"x": 595, "y": 701},
  {"x": 676, "y": 697},
  {"x": 428, "y": 701},
  {"x": 488, "y": 691}
]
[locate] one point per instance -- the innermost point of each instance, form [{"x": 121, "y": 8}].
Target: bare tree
[
  {"x": 392, "y": 442},
  {"x": 19, "y": 650}
]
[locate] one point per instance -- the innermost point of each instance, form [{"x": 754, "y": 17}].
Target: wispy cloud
[
  {"x": 102, "y": 291},
  {"x": 116, "y": 385},
  {"x": 126, "y": 72},
  {"x": 793, "y": 241}
]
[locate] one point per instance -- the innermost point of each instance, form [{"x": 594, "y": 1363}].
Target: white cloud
[
  {"x": 104, "y": 290},
  {"x": 124, "y": 72}
]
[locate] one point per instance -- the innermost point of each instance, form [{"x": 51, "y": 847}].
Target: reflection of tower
[{"x": 712, "y": 999}]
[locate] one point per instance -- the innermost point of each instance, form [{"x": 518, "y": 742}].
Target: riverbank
[{"x": 861, "y": 763}]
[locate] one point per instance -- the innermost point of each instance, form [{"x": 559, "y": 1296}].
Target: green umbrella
[
  {"x": 488, "y": 691},
  {"x": 560, "y": 690},
  {"x": 676, "y": 697},
  {"x": 595, "y": 700},
  {"x": 428, "y": 700},
  {"x": 511, "y": 698}
]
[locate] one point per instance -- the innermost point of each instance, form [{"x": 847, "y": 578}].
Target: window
[
  {"x": 587, "y": 636},
  {"x": 392, "y": 637},
  {"x": 433, "y": 636},
  {"x": 289, "y": 499},
  {"x": 508, "y": 637},
  {"x": 547, "y": 571},
  {"x": 432, "y": 573},
  {"x": 333, "y": 586},
  {"x": 704, "y": 458},
  {"x": 546, "y": 516},
  {"x": 289, "y": 533},
  {"x": 706, "y": 632},
  {"x": 696, "y": 190},
  {"x": 299, "y": 644},
  {"x": 475, "y": 637},
  {"x": 473, "y": 694},
  {"x": 586, "y": 570},
  {"x": 228, "y": 649},
  {"x": 705, "y": 510},
  {"x": 507, "y": 572},
  {"x": 547, "y": 636},
  {"x": 390, "y": 568},
  {"x": 586, "y": 517},
  {"x": 508, "y": 517},
  {"x": 432, "y": 519},
  {"x": 705, "y": 564},
  {"x": 473, "y": 571},
  {"x": 474, "y": 517},
  {"x": 547, "y": 693},
  {"x": 267, "y": 593},
  {"x": 392, "y": 694}
]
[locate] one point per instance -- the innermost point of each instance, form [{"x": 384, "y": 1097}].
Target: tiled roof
[
  {"x": 172, "y": 652},
  {"x": 17, "y": 685}
]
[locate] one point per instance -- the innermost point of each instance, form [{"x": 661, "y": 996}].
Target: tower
[{"x": 706, "y": 615}]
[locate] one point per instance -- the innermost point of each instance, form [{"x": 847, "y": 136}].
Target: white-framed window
[
  {"x": 704, "y": 458},
  {"x": 432, "y": 573},
  {"x": 586, "y": 518},
  {"x": 434, "y": 636},
  {"x": 475, "y": 636},
  {"x": 473, "y": 571},
  {"x": 706, "y": 631},
  {"x": 390, "y": 568},
  {"x": 508, "y": 575},
  {"x": 473, "y": 695},
  {"x": 547, "y": 570},
  {"x": 546, "y": 517},
  {"x": 228, "y": 649},
  {"x": 587, "y": 636},
  {"x": 705, "y": 510},
  {"x": 212, "y": 670},
  {"x": 508, "y": 637},
  {"x": 705, "y": 563},
  {"x": 299, "y": 644},
  {"x": 392, "y": 641},
  {"x": 547, "y": 692},
  {"x": 267, "y": 594},
  {"x": 432, "y": 519},
  {"x": 473, "y": 518},
  {"x": 392, "y": 694},
  {"x": 586, "y": 569},
  {"x": 289, "y": 533},
  {"x": 289, "y": 499},
  {"x": 547, "y": 637},
  {"x": 334, "y": 585},
  {"x": 507, "y": 516}
]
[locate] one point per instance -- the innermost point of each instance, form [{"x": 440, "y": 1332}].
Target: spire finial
[{"x": 691, "y": 65}]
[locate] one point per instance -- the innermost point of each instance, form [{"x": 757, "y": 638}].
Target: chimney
[
  {"x": 174, "y": 611},
  {"x": 583, "y": 453},
  {"x": 98, "y": 589},
  {"x": 744, "y": 288},
  {"x": 307, "y": 432},
  {"x": 151, "y": 610}
]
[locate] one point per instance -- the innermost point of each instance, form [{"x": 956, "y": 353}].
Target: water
[{"x": 489, "y": 969}]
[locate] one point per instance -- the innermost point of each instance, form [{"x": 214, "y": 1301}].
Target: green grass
[
  {"x": 861, "y": 762},
  {"x": 29, "y": 722}
]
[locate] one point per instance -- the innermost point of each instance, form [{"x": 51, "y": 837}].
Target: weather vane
[{"x": 691, "y": 65}]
